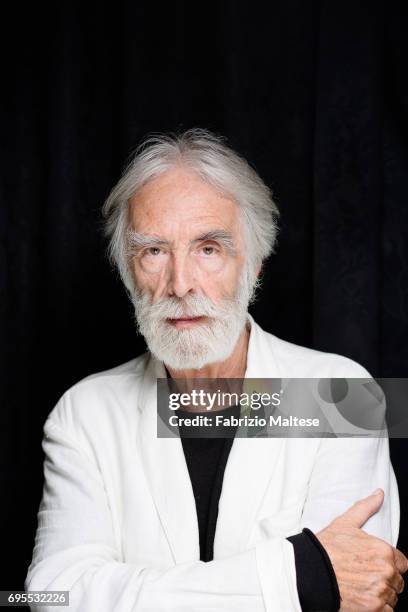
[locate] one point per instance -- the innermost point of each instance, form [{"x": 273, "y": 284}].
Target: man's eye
[
  {"x": 208, "y": 250},
  {"x": 152, "y": 251}
]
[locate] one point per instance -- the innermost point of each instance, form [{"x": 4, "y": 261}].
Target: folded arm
[{"x": 75, "y": 550}]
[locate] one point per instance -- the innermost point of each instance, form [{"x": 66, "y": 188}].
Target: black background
[{"x": 314, "y": 94}]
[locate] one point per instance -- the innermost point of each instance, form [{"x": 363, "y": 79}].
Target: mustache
[{"x": 189, "y": 306}]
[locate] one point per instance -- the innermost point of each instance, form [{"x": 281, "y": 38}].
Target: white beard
[{"x": 208, "y": 342}]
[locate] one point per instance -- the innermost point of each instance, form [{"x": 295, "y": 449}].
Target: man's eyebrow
[{"x": 138, "y": 241}]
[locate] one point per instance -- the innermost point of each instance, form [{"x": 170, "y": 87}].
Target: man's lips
[{"x": 185, "y": 321}]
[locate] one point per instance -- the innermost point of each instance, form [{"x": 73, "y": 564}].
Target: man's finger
[
  {"x": 397, "y": 583},
  {"x": 392, "y": 598},
  {"x": 360, "y": 512},
  {"x": 400, "y": 560}
]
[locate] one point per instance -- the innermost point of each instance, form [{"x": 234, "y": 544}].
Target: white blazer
[{"x": 117, "y": 524}]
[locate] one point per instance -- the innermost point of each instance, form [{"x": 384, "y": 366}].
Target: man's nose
[{"x": 181, "y": 276}]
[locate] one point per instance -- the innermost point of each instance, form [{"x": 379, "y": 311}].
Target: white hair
[{"x": 216, "y": 163}]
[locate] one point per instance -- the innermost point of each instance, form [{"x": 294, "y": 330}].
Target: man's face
[
  {"x": 188, "y": 262},
  {"x": 181, "y": 210}
]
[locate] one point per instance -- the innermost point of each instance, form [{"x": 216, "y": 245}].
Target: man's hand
[{"x": 368, "y": 570}]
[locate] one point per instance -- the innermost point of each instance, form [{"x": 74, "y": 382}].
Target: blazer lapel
[
  {"x": 251, "y": 463},
  {"x": 167, "y": 474}
]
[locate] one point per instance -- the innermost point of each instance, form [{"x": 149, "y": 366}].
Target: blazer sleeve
[
  {"x": 345, "y": 471},
  {"x": 75, "y": 550},
  {"x": 349, "y": 469}
]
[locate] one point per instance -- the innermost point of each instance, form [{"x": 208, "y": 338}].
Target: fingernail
[{"x": 377, "y": 492}]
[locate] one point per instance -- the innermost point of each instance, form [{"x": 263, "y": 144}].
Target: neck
[{"x": 233, "y": 367}]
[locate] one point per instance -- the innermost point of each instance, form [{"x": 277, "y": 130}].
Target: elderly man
[{"x": 131, "y": 521}]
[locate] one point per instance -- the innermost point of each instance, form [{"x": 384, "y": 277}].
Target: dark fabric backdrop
[{"x": 314, "y": 94}]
